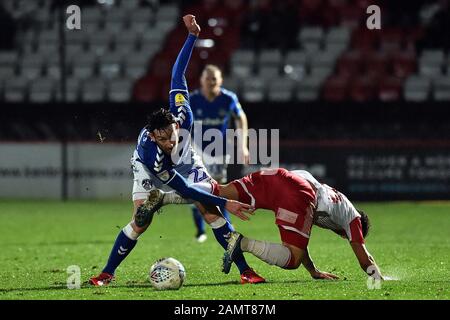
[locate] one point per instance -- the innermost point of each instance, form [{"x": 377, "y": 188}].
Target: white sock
[
  {"x": 218, "y": 223},
  {"x": 130, "y": 233},
  {"x": 174, "y": 198},
  {"x": 272, "y": 253}
]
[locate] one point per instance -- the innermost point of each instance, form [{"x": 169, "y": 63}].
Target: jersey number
[{"x": 196, "y": 173}]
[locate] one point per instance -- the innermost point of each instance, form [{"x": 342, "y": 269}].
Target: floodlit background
[{"x": 366, "y": 111}]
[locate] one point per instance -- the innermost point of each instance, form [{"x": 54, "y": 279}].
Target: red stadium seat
[
  {"x": 350, "y": 63},
  {"x": 207, "y": 10},
  {"x": 310, "y": 12},
  {"x": 412, "y": 36},
  {"x": 336, "y": 4},
  {"x": 392, "y": 39},
  {"x": 311, "y": 5},
  {"x": 404, "y": 63},
  {"x": 174, "y": 41},
  {"x": 363, "y": 4},
  {"x": 161, "y": 66},
  {"x": 146, "y": 89},
  {"x": 235, "y": 10},
  {"x": 365, "y": 40},
  {"x": 377, "y": 64},
  {"x": 362, "y": 89},
  {"x": 194, "y": 70},
  {"x": 390, "y": 89},
  {"x": 351, "y": 16},
  {"x": 230, "y": 41},
  {"x": 335, "y": 89},
  {"x": 164, "y": 92}
]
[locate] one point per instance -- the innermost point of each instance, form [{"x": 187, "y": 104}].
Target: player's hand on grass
[
  {"x": 317, "y": 274},
  {"x": 191, "y": 24},
  {"x": 239, "y": 209}
]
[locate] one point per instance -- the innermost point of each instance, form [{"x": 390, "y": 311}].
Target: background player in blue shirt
[
  {"x": 213, "y": 108},
  {"x": 164, "y": 159}
]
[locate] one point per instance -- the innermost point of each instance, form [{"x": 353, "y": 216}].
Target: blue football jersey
[
  {"x": 162, "y": 166},
  {"x": 215, "y": 114}
]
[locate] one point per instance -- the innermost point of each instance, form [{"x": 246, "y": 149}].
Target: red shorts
[{"x": 295, "y": 226}]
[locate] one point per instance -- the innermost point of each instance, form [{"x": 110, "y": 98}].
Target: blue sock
[
  {"x": 221, "y": 235},
  {"x": 226, "y": 215},
  {"x": 120, "y": 251},
  {"x": 198, "y": 220}
]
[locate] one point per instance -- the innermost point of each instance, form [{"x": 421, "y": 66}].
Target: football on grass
[{"x": 167, "y": 274}]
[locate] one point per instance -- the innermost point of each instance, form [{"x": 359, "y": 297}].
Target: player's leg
[
  {"x": 295, "y": 229},
  {"x": 294, "y": 222},
  {"x": 126, "y": 240},
  {"x": 218, "y": 173},
  {"x": 199, "y": 224},
  {"x": 222, "y": 230},
  {"x": 282, "y": 255}
]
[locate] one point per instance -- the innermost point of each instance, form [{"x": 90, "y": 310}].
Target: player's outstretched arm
[
  {"x": 179, "y": 95},
  {"x": 366, "y": 261},
  {"x": 178, "y": 183},
  {"x": 178, "y": 81}
]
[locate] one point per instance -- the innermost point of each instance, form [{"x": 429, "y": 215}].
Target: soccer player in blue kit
[
  {"x": 213, "y": 106},
  {"x": 164, "y": 159}
]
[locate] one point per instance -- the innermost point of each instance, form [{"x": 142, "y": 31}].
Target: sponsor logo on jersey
[
  {"x": 164, "y": 176},
  {"x": 212, "y": 121},
  {"x": 286, "y": 215},
  {"x": 180, "y": 100}
]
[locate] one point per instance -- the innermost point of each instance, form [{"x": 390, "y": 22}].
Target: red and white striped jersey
[{"x": 333, "y": 210}]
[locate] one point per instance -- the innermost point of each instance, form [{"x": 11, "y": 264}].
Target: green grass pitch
[{"x": 40, "y": 239}]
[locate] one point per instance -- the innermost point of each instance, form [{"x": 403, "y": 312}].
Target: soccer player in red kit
[
  {"x": 298, "y": 201},
  {"x": 293, "y": 200}
]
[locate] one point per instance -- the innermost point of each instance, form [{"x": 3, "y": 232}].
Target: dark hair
[
  {"x": 160, "y": 119},
  {"x": 365, "y": 222}
]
